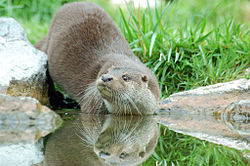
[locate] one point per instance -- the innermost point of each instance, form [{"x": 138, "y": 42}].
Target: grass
[
  {"x": 187, "y": 44},
  {"x": 35, "y": 15},
  {"x": 189, "y": 53},
  {"x": 178, "y": 149}
]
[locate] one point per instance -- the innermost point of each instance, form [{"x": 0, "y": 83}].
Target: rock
[
  {"x": 211, "y": 99},
  {"x": 22, "y": 67},
  {"x": 230, "y": 128},
  {"x": 23, "y": 118},
  {"x": 217, "y": 113},
  {"x": 21, "y": 154},
  {"x": 23, "y": 121}
]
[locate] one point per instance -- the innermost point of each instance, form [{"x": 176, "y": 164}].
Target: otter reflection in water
[{"x": 102, "y": 140}]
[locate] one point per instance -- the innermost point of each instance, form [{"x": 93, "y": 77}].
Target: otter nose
[
  {"x": 104, "y": 154},
  {"x": 106, "y": 78}
]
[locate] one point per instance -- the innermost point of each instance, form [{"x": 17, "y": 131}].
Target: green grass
[
  {"x": 178, "y": 149},
  {"x": 35, "y": 15},
  {"x": 187, "y": 44},
  {"x": 188, "y": 52}
]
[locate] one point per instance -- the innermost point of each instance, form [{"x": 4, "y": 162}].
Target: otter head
[{"x": 126, "y": 90}]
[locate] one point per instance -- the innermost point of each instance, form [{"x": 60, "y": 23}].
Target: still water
[{"x": 86, "y": 139}]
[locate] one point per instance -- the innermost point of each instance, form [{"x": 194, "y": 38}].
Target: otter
[{"x": 90, "y": 60}]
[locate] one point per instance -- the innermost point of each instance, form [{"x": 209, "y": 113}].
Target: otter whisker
[
  {"x": 91, "y": 96},
  {"x": 125, "y": 106},
  {"x": 98, "y": 102},
  {"x": 87, "y": 92},
  {"x": 128, "y": 105},
  {"x": 118, "y": 101},
  {"x": 81, "y": 92},
  {"x": 123, "y": 103},
  {"x": 132, "y": 102},
  {"x": 85, "y": 101}
]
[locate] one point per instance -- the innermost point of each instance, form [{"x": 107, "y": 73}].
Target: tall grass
[
  {"x": 188, "y": 43},
  {"x": 191, "y": 53}
]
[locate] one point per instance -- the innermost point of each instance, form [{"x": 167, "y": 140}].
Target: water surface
[{"x": 86, "y": 139}]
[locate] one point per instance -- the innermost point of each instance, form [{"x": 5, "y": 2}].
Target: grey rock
[
  {"x": 23, "y": 123},
  {"x": 217, "y": 113},
  {"x": 22, "y": 67},
  {"x": 211, "y": 99},
  {"x": 220, "y": 88},
  {"x": 230, "y": 128},
  {"x": 21, "y": 154},
  {"x": 24, "y": 118}
]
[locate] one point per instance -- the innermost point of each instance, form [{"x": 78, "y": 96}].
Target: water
[
  {"x": 117, "y": 140},
  {"x": 219, "y": 130},
  {"x": 230, "y": 127},
  {"x": 102, "y": 140}
]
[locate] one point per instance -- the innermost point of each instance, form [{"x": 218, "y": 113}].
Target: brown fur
[{"x": 82, "y": 44}]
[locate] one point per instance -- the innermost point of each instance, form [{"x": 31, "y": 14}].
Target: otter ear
[{"x": 144, "y": 78}]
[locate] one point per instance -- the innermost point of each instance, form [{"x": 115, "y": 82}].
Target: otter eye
[
  {"x": 144, "y": 78},
  {"x": 141, "y": 154},
  {"x": 122, "y": 155},
  {"x": 125, "y": 77}
]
